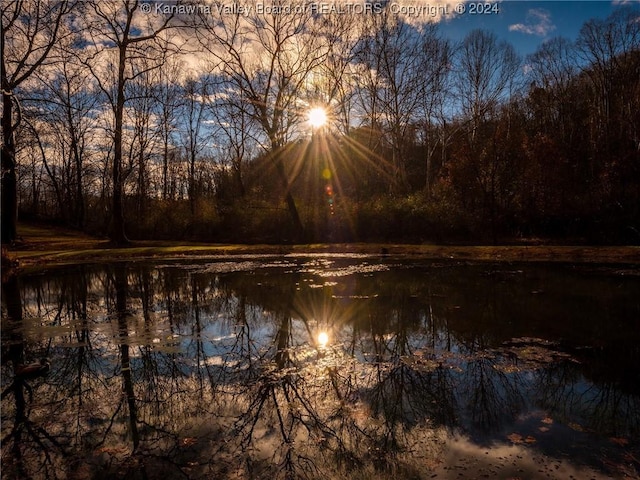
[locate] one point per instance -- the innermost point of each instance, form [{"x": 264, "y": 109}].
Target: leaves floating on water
[
  {"x": 518, "y": 439},
  {"x": 619, "y": 441},
  {"x": 421, "y": 364},
  {"x": 528, "y": 353},
  {"x": 515, "y": 438},
  {"x": 507, "y": 368},
  {"x": 577, "y": 427}
]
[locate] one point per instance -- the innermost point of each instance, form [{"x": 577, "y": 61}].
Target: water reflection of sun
[{"x": 323, "y": 339}]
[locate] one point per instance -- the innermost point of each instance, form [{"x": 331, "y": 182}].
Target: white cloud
[{"x": 538, "y": 22}]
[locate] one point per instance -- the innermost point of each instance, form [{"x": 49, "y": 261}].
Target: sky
[{"x": 527, "y": 24}]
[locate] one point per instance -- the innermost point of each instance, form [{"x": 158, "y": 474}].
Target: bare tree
[
  {"x": 370, "y": 83},
  {"x": 608, "y": 46},
  {"x": 31, "y": 174},
  {"x": 610, "y": 50},
  {"x": 195, "y": 93},
  {"x": 553, "y": 65},
  {"x": 332, "y": 84},
  {"x": 553, "y": 68},
  {"x": 267, "y": 56},
  {"x": 168, "y": 100},
  {"x": 403, "y": 67},
  {"x": 237, "y": 133},
  {"x": 29, "y": 30},
  {"x": 437, "y": 67},
  {"x": 144, "y": 131},
  {"x": 485, "y": 78},
  {"x": 38, "y": 134},
  {"x": 486, "y": 72},
  {"x": 126, "y": 35},
  {"x": 63, "y": 106}
]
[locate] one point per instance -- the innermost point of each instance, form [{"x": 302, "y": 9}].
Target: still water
[{"x": 321, "y": 367}]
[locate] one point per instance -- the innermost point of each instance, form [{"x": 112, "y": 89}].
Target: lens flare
[
  {"x": 317, "y": 117},
  {"x": 323, "y": 339}
]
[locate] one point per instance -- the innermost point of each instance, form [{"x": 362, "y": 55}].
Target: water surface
[{"x": 214, "y": 369}]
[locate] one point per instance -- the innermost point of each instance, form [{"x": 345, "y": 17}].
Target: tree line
[{"x": 139, "y": 124}]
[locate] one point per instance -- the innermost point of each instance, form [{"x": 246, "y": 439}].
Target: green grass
[{"x": 42, "y": 246}]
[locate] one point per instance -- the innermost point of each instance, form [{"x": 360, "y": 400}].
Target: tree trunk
[
  {"x": 125, "y": 358},
  {"x": 165, "y": 168},
  {"x": 192, "y": 182},
  {"x": 291, "y": 203},
  {"x": 116, "y": 229},
  {"x": 77, "y": 157},
  {"x": 9, "y": 216}
]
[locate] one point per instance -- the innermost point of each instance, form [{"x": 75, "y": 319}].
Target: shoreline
[{"x": 42, "y": 247}]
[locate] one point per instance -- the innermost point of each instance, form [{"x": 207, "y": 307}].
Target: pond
[{"x": 321, "y": 366}]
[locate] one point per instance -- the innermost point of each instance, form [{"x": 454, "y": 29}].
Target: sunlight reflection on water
[
  {"x": 413, "y": 370},
  {"x": 323, "y": 339}
]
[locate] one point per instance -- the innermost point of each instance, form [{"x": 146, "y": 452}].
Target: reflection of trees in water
[
  {"x": 121, "y": 287},
  {"x": 28, "y": 445},
  {"x": 282, "y": 420},
  {"x": 179, "y": 372},
  {"x": 417, "y": 375},
  {"x": 562, "y": 391},
  {"x": 408, "y": 396},
  {"x": 405, "y": 399},
  {"x": 294, "y": 424},
  {"x": 491, "y": 397}
]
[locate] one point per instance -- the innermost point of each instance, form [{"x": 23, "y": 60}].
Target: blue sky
[{"x": 526, "y": 24}]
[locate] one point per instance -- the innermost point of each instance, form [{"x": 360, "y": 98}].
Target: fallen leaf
[
  {"x": 576, "y": 427},
  {"x": 543, "y": 429},
  {"x": 515, "y": 438},
  {"x": 547, "y": 420},
  {"x": 619, "y": 441}
]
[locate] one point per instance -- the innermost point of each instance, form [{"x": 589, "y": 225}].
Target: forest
[{"x": 123, "y": 121}]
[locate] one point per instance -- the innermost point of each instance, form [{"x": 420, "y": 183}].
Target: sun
[{"x": 317, "y": 117}]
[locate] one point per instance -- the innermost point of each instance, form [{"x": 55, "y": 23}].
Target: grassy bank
[{"x": 44, "y": 246}]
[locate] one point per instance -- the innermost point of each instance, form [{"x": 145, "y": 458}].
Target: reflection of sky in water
[{"x": 476, "y": 351}]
